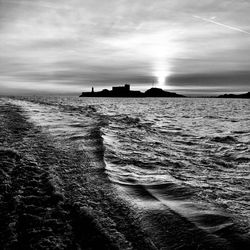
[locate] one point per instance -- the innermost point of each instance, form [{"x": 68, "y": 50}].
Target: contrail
[{"x": 221, "y": 24}]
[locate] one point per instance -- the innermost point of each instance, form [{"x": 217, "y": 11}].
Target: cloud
[
  {"x": 221, "y": 24},
  {"x": 223, "y": 80},
  {"x": 75, "y": 42}
]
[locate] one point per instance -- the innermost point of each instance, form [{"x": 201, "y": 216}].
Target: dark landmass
[
  {"x": 124, "y": 91},
  {"x": 245, "y": 96}
]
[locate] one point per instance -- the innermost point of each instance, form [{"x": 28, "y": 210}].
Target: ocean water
[{"x": 189, "y": 154}]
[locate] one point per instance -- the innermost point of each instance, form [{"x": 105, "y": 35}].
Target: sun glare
[
  {"x": 161, "y": 77},
  {"x": 161, "y": 80}
]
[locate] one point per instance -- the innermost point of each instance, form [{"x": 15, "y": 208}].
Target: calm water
[{"x": 191, "y": 155}]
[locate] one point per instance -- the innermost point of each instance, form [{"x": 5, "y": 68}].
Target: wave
[
  {"x": 224, "y": 139},
  {"x": 125, "y": 121},
  {"x": 241, "y": 132},
  {"x": 168, "y": 161},
  {"x": 70, "y": 125},
  {"x": 178, "y": 199}
]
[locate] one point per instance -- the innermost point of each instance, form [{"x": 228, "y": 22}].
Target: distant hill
[
  {"x": 246, "y": 96},
  {"x": 156, "y": 92},
  {"x": 124, "y": 91}
]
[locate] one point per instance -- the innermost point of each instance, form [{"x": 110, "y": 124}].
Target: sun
[{"x": 161, "y": 77}]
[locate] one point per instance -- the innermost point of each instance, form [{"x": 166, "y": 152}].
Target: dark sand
[{"x": 54, "y": 197}]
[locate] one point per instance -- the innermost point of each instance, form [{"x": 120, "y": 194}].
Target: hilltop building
[{"x": 121, "y": 89}]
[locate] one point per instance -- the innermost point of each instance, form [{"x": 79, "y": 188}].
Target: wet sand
[{"x": 54, "y": 197}]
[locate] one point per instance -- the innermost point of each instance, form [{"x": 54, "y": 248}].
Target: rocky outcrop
[
  {"x": 156, "y": 92},
  {"x": 245, "y": 96}
]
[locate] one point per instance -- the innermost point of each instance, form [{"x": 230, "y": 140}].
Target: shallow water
[{"x": 191, "y": 155}]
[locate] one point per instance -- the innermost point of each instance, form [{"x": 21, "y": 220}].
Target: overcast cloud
[{"x": 67, "y": 46}]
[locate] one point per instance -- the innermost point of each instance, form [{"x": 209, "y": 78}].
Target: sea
[{"x": 191, "y": 155}]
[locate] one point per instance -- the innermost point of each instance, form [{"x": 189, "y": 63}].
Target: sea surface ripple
[{"x": 190, "y": 154}]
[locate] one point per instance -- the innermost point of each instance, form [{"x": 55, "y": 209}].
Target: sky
[{"x": 67, "y": 46}]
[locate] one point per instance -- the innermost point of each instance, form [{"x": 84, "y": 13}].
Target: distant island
[
  {"x": 246, "y": 96},
  {"x": 124, "y": 91}
]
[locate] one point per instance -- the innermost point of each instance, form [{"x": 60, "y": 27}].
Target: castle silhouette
[{"x": 124, "y": 91}]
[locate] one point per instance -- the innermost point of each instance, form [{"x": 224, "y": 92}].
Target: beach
[{"x": 55, "y": 196}]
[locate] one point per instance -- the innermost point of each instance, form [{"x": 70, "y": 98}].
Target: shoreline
[{"x": 53, "y": 197}]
